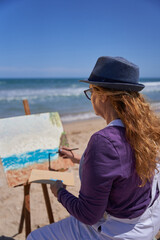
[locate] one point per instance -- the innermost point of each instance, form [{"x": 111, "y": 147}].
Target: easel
[{"x": 25, "y": 214}]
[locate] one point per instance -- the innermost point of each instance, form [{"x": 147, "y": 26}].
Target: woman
[{"x": 119, "y": 195}]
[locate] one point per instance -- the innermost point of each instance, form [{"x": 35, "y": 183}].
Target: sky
[{"x": 64, "y": 38}]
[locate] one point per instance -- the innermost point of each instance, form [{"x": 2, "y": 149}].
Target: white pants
[{"x": 70, "y": 228}]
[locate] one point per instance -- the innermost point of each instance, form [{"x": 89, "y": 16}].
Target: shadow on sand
[{"x": 6, "y": 238}]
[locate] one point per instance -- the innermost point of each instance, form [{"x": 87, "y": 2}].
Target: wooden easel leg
[
  {"x": 27, "y": 209},
  {"x": 48, "y": 204},
  {"x": 22, "y": 220}
]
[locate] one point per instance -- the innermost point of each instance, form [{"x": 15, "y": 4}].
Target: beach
[
  {"x": 50, "y": 95},
  {"x": 11, "y": 199}
]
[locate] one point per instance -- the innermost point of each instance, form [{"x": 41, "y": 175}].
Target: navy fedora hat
[{"x": 115, "y": 73}]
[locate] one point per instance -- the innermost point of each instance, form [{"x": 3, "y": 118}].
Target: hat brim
[{"x": 118, "y": 86}]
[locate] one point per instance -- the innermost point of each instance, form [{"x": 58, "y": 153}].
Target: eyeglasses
[{"x": 88, "y": 93}]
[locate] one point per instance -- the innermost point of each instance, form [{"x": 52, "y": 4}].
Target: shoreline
[
  {"x": 71, "y": 117},
  {"x": 82, "y": 120},
  {"x": 90, "y": 116}
]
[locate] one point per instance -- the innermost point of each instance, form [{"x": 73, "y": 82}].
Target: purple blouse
[{"x": 109, "y": 181}]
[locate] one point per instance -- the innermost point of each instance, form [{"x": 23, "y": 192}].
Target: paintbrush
[{"x": 68, "y": 149}]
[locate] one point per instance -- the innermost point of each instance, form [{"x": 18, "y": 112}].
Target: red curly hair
[{"x": 142, "y": 128}]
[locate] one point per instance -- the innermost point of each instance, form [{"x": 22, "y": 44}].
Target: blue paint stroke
[
  {"x": 19, "y": 161},
  {"x": 52, "y": 179}
]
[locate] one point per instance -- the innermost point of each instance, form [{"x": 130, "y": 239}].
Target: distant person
[{"x": 120, "y": 182}]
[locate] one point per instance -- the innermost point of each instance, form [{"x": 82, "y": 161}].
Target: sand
[{"x": 11, "y": 199}]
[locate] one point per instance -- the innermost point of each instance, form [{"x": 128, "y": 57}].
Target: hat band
[{"x": 95, "y": 78}]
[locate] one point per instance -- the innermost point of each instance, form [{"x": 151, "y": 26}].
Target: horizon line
[{"x": 60, "y": 77}]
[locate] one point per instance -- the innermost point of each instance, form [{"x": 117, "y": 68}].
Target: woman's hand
[
  {"x": 67, "y": 153},
  {"x": 55, "y": 187}
]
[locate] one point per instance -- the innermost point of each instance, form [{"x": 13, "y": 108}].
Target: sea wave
[
  {"x": 90, "y": 115},
  {"x": 78, "y": 117},
  {"x": 36, "y": 93},
  {"x": 156, "y": 106},
  {"x": 151, "y": 87},
  {"x": 1, "y": 83},
  {"x": 33, "y": 94}
]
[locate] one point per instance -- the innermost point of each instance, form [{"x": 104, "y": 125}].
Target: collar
[{"x": 116, "y": 122}]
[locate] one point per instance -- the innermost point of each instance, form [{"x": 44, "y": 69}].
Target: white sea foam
[
  {"x": 46, "y": 93},
  {"x": 156, "y": 106},
  {"x": 151, "y": 87},
  {"x": 77, "y": 117},
  {"x": 33, "y": 94}
]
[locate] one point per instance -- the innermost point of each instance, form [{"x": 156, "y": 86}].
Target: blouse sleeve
[{"x": 100, "y": 167}]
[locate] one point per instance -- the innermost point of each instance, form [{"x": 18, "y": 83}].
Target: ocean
[{"x": 63, "y": 95}]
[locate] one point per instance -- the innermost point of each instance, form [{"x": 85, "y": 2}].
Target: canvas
[{"x": 30, "y": 142}]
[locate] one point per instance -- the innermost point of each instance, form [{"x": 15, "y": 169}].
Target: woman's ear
[{"x": 104, "y": 98}]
